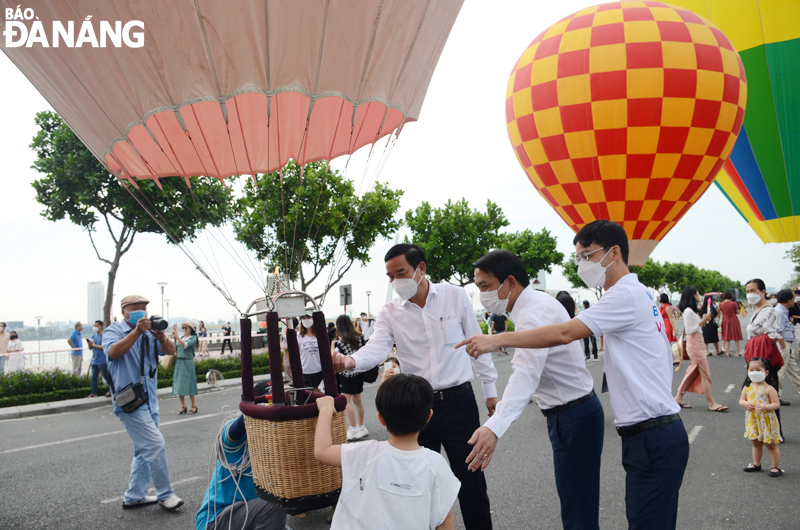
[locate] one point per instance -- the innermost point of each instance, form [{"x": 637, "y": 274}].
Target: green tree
[
  {"x": 297, "y": 224},
  {"x": 536, "y": 250},
  {"x": 454, "y": 236},
  {"x": 650, "y": 274},
  {"x": 793, "y": 255},
  {"x": 77, "y": 186},
  {"x": 678, "y": 276}
]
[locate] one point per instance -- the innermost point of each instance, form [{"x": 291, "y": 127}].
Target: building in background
[{"x": 96, "y": 300}]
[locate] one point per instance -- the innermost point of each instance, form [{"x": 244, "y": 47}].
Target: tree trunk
[{"x": 121, "y": 248}]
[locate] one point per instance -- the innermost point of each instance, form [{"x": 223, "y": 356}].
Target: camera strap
[{"x": 146, "y": 353}]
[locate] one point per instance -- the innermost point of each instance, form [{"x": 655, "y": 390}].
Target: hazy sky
[{"x": 458, "y": 148}]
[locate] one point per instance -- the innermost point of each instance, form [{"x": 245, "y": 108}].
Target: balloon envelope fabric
[
  {"x": 626, "y": 111},
  {"x": 763, "y": 179}
]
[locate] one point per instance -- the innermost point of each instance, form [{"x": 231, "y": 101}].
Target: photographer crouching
[{"x": 132, "y": 347}]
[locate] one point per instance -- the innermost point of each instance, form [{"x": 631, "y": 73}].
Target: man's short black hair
[
  {"x": 404, "y": 402},
  {"x": 413, "y": 253},
  {"x": 604, "y": 233},
  {"x": 784, "y": 296},
  {"x": 363, "y": 313},
  {"x": 503, "y": 263},
  {"x": 99, "y": 322}
]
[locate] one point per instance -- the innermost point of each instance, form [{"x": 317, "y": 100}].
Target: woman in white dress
[{"x": 16, "y": 361}]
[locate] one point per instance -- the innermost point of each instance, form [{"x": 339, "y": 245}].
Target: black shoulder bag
[{"x": 132, "y": 396}]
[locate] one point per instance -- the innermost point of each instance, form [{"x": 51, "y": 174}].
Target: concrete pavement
[{"x": 70, "y": 470}]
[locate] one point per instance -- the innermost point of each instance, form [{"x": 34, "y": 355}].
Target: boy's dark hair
[
  {"x": 784, "y": 296},
  {"x": 413, "y": 253},
  {"x": 99, "y": 322},
  {"x": 604, "y": 233},
  {"x": 687, "y": 299},
  {"x": 503, "y": 263},
  {"x": 404, "y": 402}
]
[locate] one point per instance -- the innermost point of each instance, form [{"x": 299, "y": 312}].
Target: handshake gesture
[{"x": 342, "y": 362}]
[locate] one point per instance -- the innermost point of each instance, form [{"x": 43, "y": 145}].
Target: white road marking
[
  {"x": 730, "y": 387},
  {"x": 92, "y": 436},
  {"x": 694, "y": 432},
  {"x": 151, "y": 490}
]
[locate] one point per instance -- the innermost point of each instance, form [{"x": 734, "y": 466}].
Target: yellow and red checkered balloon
[{"x": 626, "y": 111}]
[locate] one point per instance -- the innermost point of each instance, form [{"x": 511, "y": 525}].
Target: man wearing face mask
[
  {"x": 557, "y": 377},
  {"x": 99, "y": 361},
  {"x": 426, "y": 321},
  {"x": 132, "y": 348},
  {"x": 367, "y": 326},
  {"x": 638, "y": 370}
]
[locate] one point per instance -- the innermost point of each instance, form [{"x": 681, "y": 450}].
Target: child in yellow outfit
[{"x": 760, "y": 400}]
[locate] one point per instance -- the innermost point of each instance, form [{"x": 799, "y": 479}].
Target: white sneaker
[
  {"x": 361, "y": 432},
  {"x": 351, "y": 433},
  {"x": 150, "y": 499},
  {"x": 173, "y": 503}
]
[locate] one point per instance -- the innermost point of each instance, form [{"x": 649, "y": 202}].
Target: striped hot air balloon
[{"x": 762, "y": 175}]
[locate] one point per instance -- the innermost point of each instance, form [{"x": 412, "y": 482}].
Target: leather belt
[
  {"x": 638, "y": 428},
  {"x": 549, "y": 412},
  {"x": 447, "y": 393}
]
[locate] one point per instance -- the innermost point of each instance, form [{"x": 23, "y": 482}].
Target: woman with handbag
[
  {"x": 349, "y": 340},
  {"x": 184, "y": 378},
  {"x": 698, "y": 376}
]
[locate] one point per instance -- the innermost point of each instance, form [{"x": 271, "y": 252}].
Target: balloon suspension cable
[
  {"x": 161, "y": 222},
  {"x": 340, "y": 247}
]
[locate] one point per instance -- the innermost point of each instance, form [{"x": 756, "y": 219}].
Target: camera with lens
[{"x": 158, "y": 323}]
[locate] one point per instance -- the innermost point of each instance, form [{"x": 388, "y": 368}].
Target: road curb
[{"x": 76, "y": 405}]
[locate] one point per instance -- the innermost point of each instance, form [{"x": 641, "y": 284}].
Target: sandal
[
  {"x": 193, "y": 410},
  {"x": 721, "y": 408},
  {"x": 684, "y": 405},
  {"x": 777, "y": 473},
  {"x": 752, "y": 468},
  {"x": 182, "y": 411}
]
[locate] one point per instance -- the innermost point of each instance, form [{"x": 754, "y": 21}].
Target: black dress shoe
[{"x": 785, "y": 403}]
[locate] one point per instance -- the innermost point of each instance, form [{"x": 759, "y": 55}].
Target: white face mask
[
  {"x": 363, "y": 319},
  {"x": 307, "y": 322},
  {"x": 95, "y": 329},
  {"x": 797, "y": 298},
  {"x": 492, "y": 302},
  {"x": 757, "y": 377},
  {"x": 753, "y": 298},
  {"x": 593, "y": 273},
  {"x": 773, "y": 301},
  {"x": 406, "y": 287}
]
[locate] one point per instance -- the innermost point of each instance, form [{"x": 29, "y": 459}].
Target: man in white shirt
[
  {"x": 557, "y": 377},
  {"x": 426, "y": 322},
  {"x": 638, "y": 368},
  {"x": 367, "y": 326}
]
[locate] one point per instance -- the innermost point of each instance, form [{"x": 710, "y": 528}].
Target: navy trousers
[
  {"x": 576, "y": 435},
  {"x": 453, "y": 422},
  {"x": 654, "y": 463}
]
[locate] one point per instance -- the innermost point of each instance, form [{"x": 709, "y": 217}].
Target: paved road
[{"x": 69, "y": 471}]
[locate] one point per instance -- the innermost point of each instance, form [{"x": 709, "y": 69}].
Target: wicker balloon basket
[{"x": 280, "y": 431}]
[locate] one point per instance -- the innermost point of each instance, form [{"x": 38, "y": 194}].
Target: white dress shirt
[
  {"x": 554, "y": 376},
  {"x": 425, "y": 338},
  {"x": 638, "y": 357}
]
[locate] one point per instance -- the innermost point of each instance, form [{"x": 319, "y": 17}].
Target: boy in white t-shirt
[{"x": 394, "y": 484}]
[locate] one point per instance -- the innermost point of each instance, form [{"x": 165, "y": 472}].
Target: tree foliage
[
  {"x": 454, "y": 236},
  {"x": 537, "y": 250},
  {"x": 295, "y": 221},
  {"x": 793, "y": 255},
  {"x": 77, "y": 186}
]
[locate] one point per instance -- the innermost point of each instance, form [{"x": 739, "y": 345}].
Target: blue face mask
[{"x": 135, "y": 316}]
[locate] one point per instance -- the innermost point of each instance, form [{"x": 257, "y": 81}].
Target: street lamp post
[
  {"x": 162, "y": 285},
  {"x": 472, "y": 300},
  {"x": 38, "y": 335},
  {"x": 167, "y": 315},
  {"x": 368, "y": 309}
]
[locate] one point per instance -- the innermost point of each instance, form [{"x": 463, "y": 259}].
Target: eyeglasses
[{"x": 584, "y": 256}]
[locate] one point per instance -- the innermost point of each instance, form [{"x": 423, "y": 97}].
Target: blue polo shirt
[
  {"x": 98, "y": 356},
  {"x": 77, "y": 342},
  {"x": 125, "y": 370}
]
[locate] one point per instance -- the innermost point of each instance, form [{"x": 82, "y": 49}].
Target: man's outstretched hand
[
  {"x": 342, "y": 362},
  {"x": 477, "y": 345}
]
